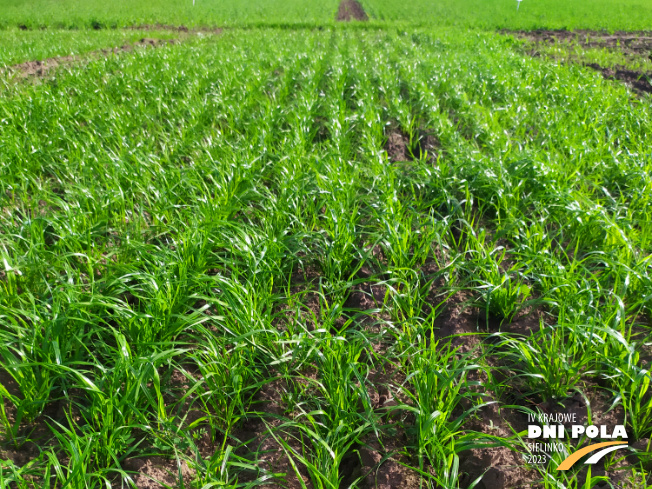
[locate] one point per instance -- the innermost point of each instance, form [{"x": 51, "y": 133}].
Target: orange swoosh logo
[{"x": 570, "y": 461}]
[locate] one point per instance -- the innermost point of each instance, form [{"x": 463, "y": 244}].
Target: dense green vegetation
[
  {"x": 185, "y": 230},
  {"x": 121, "y": 13}
]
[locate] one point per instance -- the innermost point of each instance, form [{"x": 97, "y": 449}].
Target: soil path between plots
[
  {"x": 351, "y": 10},
  {"x": 40, "y": 69}
]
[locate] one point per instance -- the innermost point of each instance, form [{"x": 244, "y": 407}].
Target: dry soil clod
[{"x": 398, "y": 146}]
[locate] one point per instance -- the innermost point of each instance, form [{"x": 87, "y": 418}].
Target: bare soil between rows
[
  {"x": 399, "y": 148},
  {"x": 638, "y": 81},
  {"x": 639, "y": 42},
  {"x": 351, "y": 10},
  {"x": 631, "y": 44},
  {"x": 377, "y": 461},
  {"x": 40, "y": 69}
]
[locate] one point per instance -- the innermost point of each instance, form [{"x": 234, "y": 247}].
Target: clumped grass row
[
  {"x": 184, "y": 230},
  {"x": 22, "y": 46}
]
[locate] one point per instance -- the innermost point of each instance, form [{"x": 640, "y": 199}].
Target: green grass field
[
  {"x": 324, "y": 258},
  {"x": 98, "y": 14},
  {"x": 531, "y": 14}
]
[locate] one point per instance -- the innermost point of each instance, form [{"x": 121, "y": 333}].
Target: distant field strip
[
  {"x": 502, "y": 14},
  {"x": 121, "y": 13},
  {"x": 484, "y": 14},
  {"x": 244, "y": 255}
]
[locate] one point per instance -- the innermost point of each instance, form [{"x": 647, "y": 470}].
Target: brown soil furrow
[
  {"x": 40, "y": 69},
  {"x": 631, "y": 44},
  {"x": 351, "y": 10},
  {"x": 634, "y": 79},
  {"x": 624, "y": 41}
]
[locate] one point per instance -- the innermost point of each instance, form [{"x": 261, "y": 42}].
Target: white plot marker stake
[{"x": 518, "y": 4}]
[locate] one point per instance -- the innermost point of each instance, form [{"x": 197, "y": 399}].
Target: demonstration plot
[{"x": 323, "y": 258}]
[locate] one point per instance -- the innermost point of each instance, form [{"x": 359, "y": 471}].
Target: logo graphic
[
  {"x": 553, "y": 429},
  {"x": 612, "y": 445}
]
